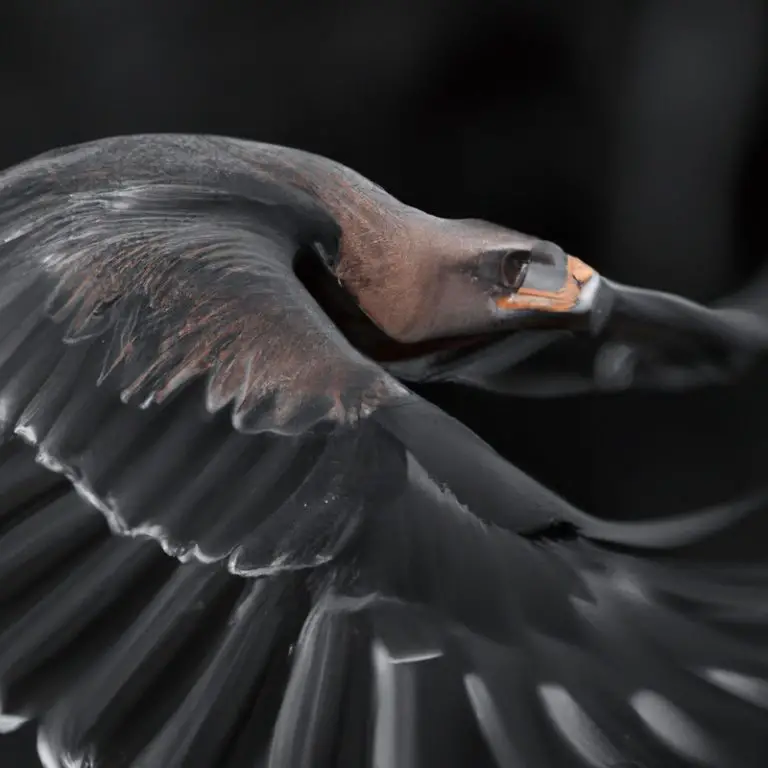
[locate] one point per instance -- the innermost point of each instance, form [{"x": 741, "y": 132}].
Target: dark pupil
[{"x": 513, "y": 268}]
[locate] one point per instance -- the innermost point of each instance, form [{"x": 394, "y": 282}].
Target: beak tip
[{"x": 596, "y": 301}]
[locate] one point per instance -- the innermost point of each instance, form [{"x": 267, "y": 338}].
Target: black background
[{"x": 634, "y": 134}]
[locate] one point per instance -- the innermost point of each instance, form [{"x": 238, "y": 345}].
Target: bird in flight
[{"x": 232, "y": 535}]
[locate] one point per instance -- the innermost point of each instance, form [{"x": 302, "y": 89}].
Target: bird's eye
[{"x": 514, "y": 265}]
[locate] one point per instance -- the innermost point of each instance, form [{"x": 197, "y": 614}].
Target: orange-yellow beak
[{"x": 538, "y": 292}]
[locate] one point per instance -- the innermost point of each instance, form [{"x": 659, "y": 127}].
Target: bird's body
[{"x": 231, "y": 535}]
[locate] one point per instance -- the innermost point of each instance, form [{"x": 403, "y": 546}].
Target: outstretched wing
[{"x": 241, "y": 543}]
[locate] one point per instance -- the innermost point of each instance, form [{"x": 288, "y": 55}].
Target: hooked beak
[{"x": 557, "y": 284}]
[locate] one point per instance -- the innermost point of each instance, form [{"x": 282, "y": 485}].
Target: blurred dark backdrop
[{"x": 633, "y": 133}]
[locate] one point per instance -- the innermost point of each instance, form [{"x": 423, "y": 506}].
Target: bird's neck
[{"x": 378, "y": 234}]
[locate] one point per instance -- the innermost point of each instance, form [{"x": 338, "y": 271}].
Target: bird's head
[
  {"x": 423, "y": 280},
  {"x": 464, "y": 278}
]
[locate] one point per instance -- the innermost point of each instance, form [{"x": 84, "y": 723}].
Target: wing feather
[{"x": 227, "y": 538}]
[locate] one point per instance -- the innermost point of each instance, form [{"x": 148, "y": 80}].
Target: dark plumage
[{"x": 246, "y": 542}]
